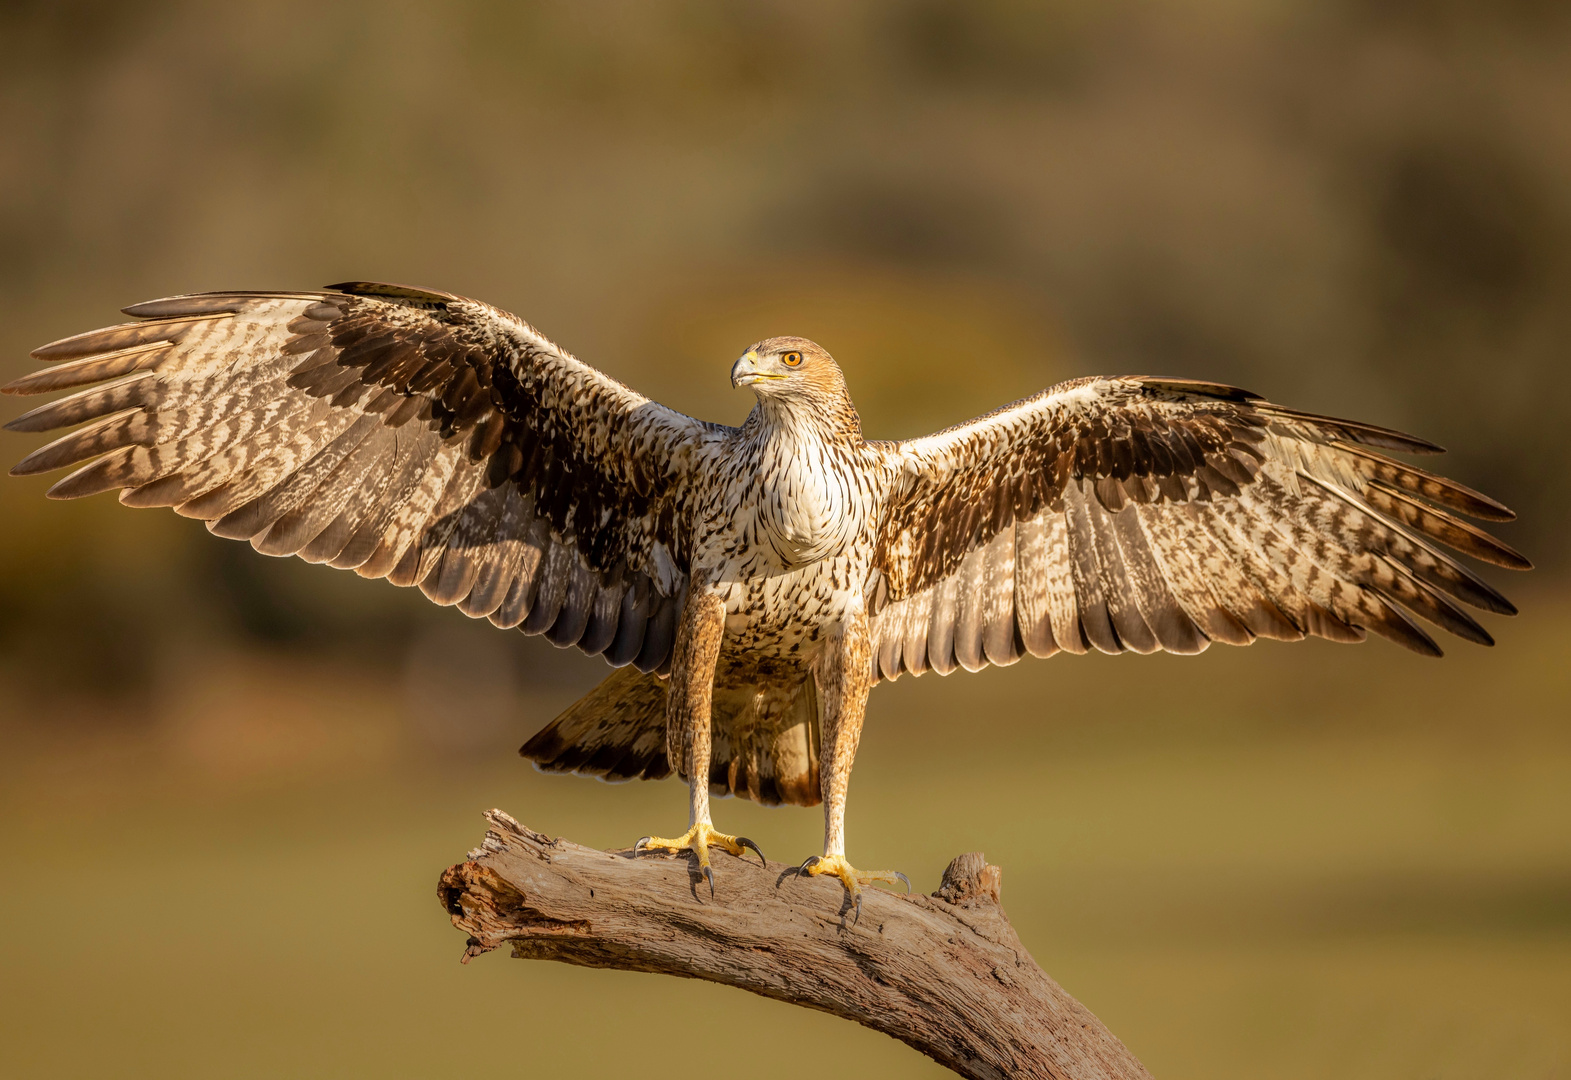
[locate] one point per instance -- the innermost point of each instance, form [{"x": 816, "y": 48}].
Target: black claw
[
  {"x": 858, "y": 917},
  {"x": 710, "y": 874},
  {"x": 903, "y": 878},
  {"x": 810, "y": 861},
  {"x": 746, "y": 843},
  {"x": 639, "y": 846}
]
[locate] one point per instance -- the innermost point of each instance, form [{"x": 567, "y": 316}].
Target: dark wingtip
[
  {"x": 208, "y": 303},
  {"x": 1359, "y": 432},
  {"x": 1389, "y": 438},
  {"x": 1468, "y": 629},
  {"x": 1199, "y": 387},
  {"x": 61, "y": 349},
  {"x": 1398, "y": 627},
  {"x": 390, "y": 291},
  {"x": 1512, "y": 558},
  {"x": 1485, "y": 508},
  {"x": 36, "y": 420}
]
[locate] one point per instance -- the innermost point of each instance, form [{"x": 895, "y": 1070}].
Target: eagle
[{"x": 750, "y": 585}]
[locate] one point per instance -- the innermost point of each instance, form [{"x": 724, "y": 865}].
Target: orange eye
[{"x": 792, "y": 359}]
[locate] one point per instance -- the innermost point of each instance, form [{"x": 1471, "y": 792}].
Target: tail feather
[
  {"x": 764, "y": 746},
  {"x": 615, "y": 732}
]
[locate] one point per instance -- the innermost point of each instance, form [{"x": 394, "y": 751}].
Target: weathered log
[{"x": 945, "y": 973}]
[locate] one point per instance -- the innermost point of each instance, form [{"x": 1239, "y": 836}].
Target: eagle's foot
[
  {"x": 852, "y": 878},
  {"x": 698, "y": 839}
]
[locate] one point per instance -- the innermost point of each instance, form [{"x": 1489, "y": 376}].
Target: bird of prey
[{"x": 752, "y": 584}]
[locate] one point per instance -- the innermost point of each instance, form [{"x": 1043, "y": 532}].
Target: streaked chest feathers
[{"x": 810, "y": 504}]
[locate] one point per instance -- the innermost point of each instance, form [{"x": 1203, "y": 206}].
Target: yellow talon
[
  {"x": 850, "y": 877},
  {"x": 698, "y": 839}
]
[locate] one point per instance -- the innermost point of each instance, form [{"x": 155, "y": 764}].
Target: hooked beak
[{"x": 745, "y": 371}]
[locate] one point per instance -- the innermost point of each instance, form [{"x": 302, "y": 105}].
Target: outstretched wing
[
  {"x": 1142, "y": 513},
  {"x": 405, "y": 434}
]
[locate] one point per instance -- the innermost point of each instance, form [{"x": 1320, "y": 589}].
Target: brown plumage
[{"x": 752, "y": 583}]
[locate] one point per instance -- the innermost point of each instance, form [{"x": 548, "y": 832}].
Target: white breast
[{"x": 808, "y": 503}]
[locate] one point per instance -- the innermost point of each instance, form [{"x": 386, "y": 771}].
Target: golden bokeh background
[{"x": 230, "y": 782}]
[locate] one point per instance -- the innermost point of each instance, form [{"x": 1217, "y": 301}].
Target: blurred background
[{"x": 229, "y": 783}]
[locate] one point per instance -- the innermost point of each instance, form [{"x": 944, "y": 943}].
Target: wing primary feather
[
  {"x": 1414, "y": 480},
  {"x": 1357, "y": 431},
  {"x": 90, "y": 369},
  {"x": 1426, "y": 561},
  {"x": 110, "y": 433},
  {"x": 118, "y": 338},
  {"x": 130, "y": 392},
  {"x": 1468, "y": 539},
  {"x": 205, "y": 304},
  {"x": 1430, "y": 604}
]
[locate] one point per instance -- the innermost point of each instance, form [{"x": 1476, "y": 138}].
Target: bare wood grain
[{"x": 945, "y": 973}]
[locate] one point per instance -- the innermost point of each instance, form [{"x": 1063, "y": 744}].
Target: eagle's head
[{"x": 791, "y": 371}]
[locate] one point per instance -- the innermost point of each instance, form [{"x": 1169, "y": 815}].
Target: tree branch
[{"x": 945, "y": 973}]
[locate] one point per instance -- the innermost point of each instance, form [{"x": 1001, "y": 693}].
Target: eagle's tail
[{"x": 764, "y": 748}]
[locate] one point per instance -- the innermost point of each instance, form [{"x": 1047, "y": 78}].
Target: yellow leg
[
  {"x": 699, "y": 839},
  {"x": 852, "y": 878},
  {"x": 844, "y": 678},
  {"x": 688, "y": 734}
]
